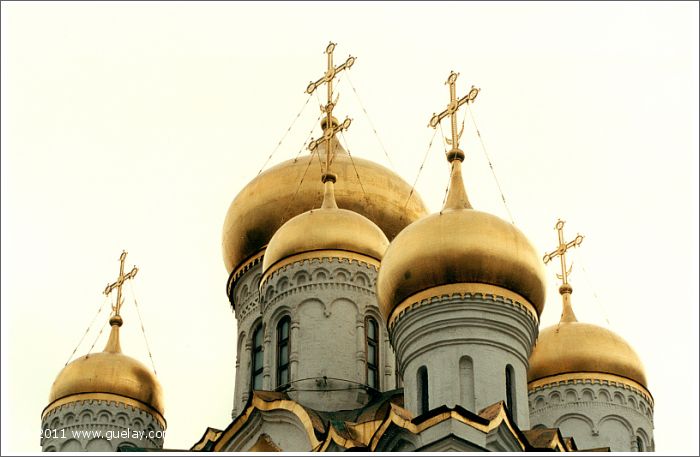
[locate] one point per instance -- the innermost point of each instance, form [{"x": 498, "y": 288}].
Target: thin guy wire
[
  {"x": 285, "y": 134},
  {"x": 311, "y": 156},
  {"x": 87, "y": 330},
  {"x": 97, "y": 337},
  {"x": 371, "y": 124},
  {"x": 483, "y": 147},
  {"x": 347, "y": 148},
  {"x": 430, "y": 144},
  {"x": 595, "y": 295},
  {"x": 289, "y": 204},
  {"x": 143, "y": 329}
]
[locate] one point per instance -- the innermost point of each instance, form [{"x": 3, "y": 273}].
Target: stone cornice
[
  {"x": 319, "y": 256},
  {"x": 590, "y": 378},
  {"x": 486, "y": 292},
  {"x": 105, "y": 397}
]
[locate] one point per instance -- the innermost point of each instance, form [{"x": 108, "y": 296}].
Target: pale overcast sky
[{"x": 133, "y": 126}]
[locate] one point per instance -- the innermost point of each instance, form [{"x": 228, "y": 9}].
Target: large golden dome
[
  {"x": 110, "y": 375},
  {"x": 276, "y": 196},
  {"x": 577, "y": 347},
  {"x": 328, "y": 228},
  {"x": 459, "y": 245}
]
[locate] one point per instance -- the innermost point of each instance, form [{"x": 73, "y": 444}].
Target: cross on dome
[
  {"x": 116, "y": 318},
  {"x": 332, "y": 126}
]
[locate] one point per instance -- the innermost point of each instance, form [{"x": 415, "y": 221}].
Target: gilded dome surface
[
  {"x": 275, "y": 196},
  {"x": 326, "y": 228},
  {"x": 459, "y": 245},
  {"x": 573, "y": 347},
  {"x": 109, "y": 372}
]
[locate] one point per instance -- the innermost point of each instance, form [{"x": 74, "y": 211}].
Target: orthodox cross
[
  {"x": 118, "y": 283},
  {"x": 561, "y": 251},
  {"x": 331, "y": 128},
  {"x": 452, "y": 108}
]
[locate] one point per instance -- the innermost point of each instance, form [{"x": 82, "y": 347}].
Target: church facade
[{"x": 366, "y": 324}]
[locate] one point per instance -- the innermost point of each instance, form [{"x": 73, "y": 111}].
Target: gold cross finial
[
  {"x": 118, "y": 285},
  {"x": 561, "y": 252},
  {"x": 452, "y": 108},
  {"x": 331, "y": 127}
]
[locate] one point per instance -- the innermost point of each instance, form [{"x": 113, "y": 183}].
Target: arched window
[
  {"x": 372, "y": 348},
  {"x": 640, "y": 444},
  {"x": 423, "y": 400},
  {"x": 257, "y": 359},
  {"x": 510, "y": 391},
  {"x": 466, "y": 383},
  {"x": 283, "y": 351}
]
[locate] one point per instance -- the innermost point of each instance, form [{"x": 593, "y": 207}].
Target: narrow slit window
[
  {"x": 372, "y": 348},
  {"x": 423, "y": 400},
  {"x": 510, "y": 391}
]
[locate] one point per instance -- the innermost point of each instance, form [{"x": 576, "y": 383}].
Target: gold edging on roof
[
  {"x": 460, "y": 289},
  {"x": 262, "y": 405},
  {"x": 211, "y": 434},
  {"x": 407, "y": 424}
]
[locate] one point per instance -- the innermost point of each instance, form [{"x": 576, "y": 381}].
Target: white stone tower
[
  {"x": 292, "y": 283},
  {"x": 106, "y": 400},
  {"x": 588, "y": 381},
  {"x": 462, "y": 292}
]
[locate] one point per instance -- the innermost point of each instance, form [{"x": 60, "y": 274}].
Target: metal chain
[
  {"x": 285, "y": 134},
  {"x": 371, "y": 124},
  {"x": 430, "y": 144},
  {"x": 595, "y": 295},
  {"x": 308, "y": 165},
  {"x": 87, "y": 330},
  {"x": 98, "y": 336},
  {"x": 347, "y": 148},
  {"x": 488, "y": 159},
  {"x": 143, "y": 329}
]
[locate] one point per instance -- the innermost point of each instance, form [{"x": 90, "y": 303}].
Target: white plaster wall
[
  {"x": 492, "y": 331},
  {"x": 595, "y": 413},
  {"x": 248, "y": 314},
  {"x": 106, "y": 417},
  {"x": 328, "y": 301}
]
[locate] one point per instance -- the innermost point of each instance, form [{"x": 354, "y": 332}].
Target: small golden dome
[
  {"x": 574, "y": 347},
  {"x": 275, "y": 196},
  {"x": 108, "y": 372},
  {"x": 459, "y": 245},
  {"x": 328, "y": 228}
]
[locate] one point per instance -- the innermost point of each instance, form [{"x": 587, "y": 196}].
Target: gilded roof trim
[
  {"x": 397, "y": 416},
  {"x": 258, "y": 403}
]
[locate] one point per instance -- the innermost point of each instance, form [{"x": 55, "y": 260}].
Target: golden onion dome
[
  {"x": 328, "y": 228},
  {"x": 459, "y": 245},
  {"x": 291, "y": 188},
  {"x": 578, "y": 347},
  {"x": 109, "y": 375}
]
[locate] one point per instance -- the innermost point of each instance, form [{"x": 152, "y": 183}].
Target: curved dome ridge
[
  {"x": 279, "y": 194},
  {"x": 326, "y": 228},
  {"x": 459, "y": 245}
]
